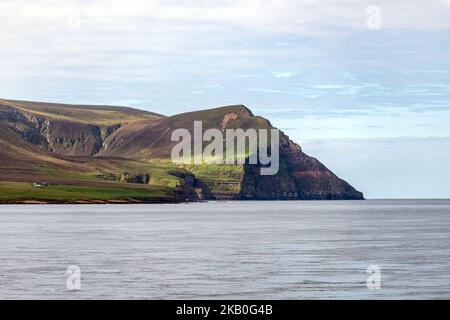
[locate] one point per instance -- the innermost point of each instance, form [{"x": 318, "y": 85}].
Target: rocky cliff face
[
  {"x": 59, "y": 136},
  {"x": 75, "y": 139},
  {"x": 301, "y": 177}
]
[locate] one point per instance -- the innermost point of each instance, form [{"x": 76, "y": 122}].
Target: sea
[{"x": 374, "y": 249}]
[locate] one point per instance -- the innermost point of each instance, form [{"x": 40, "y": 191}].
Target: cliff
[{"x": 124, "y": 148}]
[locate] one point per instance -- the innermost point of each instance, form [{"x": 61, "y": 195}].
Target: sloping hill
[
  {"x": 151, "y": 139},
  {"x": 55, "y": 143},
  {"x": 68, "y": 129},
  {"x": 119, "y": 147},
  {"x": 300, "y": 176}
]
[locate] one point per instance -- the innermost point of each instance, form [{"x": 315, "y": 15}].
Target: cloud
[
  {"x": 282, "y": 74},
  {"x": 423, "y": 71},
  {"x": 278, "y": 15},
  {"x": 264, "y": 15}
]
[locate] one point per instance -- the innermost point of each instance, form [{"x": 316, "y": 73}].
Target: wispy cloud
[{"x": 282, "y": 74}]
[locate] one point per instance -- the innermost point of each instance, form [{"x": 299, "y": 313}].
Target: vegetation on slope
[
  {"x": 124, "y": 154},
  {"x": 20, "y": 192}
]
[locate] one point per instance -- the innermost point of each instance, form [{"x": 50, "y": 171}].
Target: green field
[{"x": 19, "y": 192}]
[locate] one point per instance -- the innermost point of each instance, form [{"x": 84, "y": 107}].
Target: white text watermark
[{"x": 257, "y": 146}]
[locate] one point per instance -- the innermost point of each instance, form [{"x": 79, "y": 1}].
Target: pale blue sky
[{"x": 358, "y": 99}]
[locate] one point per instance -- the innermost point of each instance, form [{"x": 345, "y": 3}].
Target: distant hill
[{"x": 119, "y": 154}]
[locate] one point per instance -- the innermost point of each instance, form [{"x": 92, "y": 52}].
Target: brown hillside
[{"x": 82, "y": 143}]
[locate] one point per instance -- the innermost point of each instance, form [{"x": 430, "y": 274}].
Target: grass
[
  {"x": 16, "y": 192},
  {"x": 111, "y": 170},
  {"x": 158, "y": 170},
  {"x": 69, "y": 185}
]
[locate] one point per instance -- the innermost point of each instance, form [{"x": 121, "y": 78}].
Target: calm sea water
[{"x": 227, "y": 250}]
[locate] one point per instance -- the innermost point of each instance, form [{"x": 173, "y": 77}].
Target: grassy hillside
[
  {"x": 152, "y": 139},
  {"x": 20, "y": 192},
  {"x": 34, "y": 144},
  {"x": 104, "y": 153}
]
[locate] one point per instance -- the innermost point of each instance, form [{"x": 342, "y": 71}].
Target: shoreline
[
  {"x": 90, "y": 202},
  {"x": 166, "y": 201}
]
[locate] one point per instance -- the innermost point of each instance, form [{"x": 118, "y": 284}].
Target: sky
[{"x": 364, "y": 86}]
